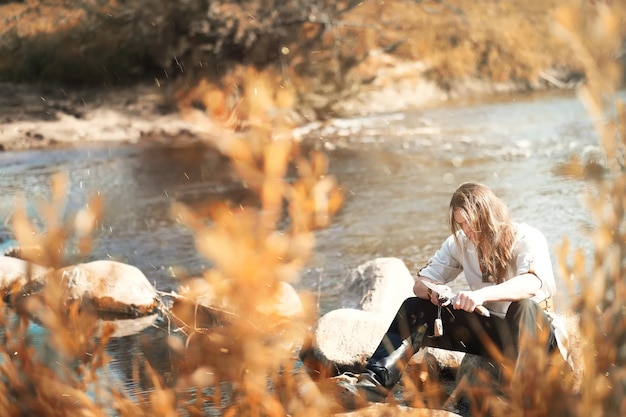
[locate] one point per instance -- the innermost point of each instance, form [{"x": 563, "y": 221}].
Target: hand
[
  {"x": 434, "y": 298},
  {"x": 437, "y": 299},
  {"x": 468, "y": 301}
]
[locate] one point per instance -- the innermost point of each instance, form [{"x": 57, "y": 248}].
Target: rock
[
  {"x": 477, "y": 371},
  {"x": 380, "y": 410},
  {"x": 111, "y": 287},
  {"x": 126, "y": 327},
  {"x": 347, "y": 337},
  {"x": 16, "y": 273},
  {"x": 576, "y": 346},
  {"x": 276, "y": 320},
  {"x": 285, "y": 304},
  {"x": 379, "y": 286},
  {"x": 439, "y": 361},
  {"x": 198, "y": 304}
]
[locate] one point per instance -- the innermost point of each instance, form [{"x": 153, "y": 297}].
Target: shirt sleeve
[
  {"x": 444, "y": 266},
  {"x": 533, "y": 256}
]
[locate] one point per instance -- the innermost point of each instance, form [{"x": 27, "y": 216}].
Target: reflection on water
[{"x": 398, "y": 172}]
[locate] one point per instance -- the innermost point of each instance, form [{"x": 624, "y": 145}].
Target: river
[{"x": 398, "y": 171}]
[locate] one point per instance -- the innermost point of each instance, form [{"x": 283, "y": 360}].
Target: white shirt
[{"x": 530, "y": 254}]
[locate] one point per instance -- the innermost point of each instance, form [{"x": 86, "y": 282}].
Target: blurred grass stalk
[
  {"x": 595, "y": 32},
  {"x": 68, "y": 381},
  {"x": 255, "y": 249}
]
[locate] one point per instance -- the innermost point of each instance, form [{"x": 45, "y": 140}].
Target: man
[{"x": 508, "y": 270}]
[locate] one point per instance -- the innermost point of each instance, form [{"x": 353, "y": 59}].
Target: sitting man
[{"x": 508, "y": 270}]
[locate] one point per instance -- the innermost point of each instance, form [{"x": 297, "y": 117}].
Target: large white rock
[
  {"x": 16, "y": 273},
  {"x": 198, "y": 303},
  {"x": 385, "y": 410},
  {"x": 379, "y": 286},
  {"x": 438, "y": 360},
  {"x": 122, "y": 327},
  {"x": 374, "y": 292},
  {"x": 285, "y": 303},
  {"x": 278, "y": 317},
  {"x": 347, "y": 337},
  {"x": 110, "y": 286}
]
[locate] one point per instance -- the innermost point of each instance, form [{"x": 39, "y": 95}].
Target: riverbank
[
  {"x": 344, "y": 59},
  {"x": 57, "y": 117},
  {"x": 35, "y": 118}
]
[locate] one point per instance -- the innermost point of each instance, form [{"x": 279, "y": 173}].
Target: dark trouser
[{"x": 489, "y": 337}]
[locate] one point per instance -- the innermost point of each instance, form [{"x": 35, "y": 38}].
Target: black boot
[{"x": 384, "y": 370}]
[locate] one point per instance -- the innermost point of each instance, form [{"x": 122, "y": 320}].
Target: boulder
[
  {"x": 198, "y": 305},
  {"x": 123, "y": 327},
  {"x": 277, "y": 318},
  {"x": 112, "y": 287},
  {"x": 348, "y": 336},
  {"x": 381, "y": 410},
  {"x": 438, "y": 361},
  {"x": 476, "y": 370},
  {"x": 379, "y": 286},
  {"x": 16, "y": 273},
  {"x": 285, "y": 303},
  {"x": 109, "y": 286}
]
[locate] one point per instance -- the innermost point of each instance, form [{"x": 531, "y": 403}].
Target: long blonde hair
[{"x": 488, "y": 218}]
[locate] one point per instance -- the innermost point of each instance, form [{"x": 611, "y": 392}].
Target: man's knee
[
  {"x": 413, "y": 313},
  {"x": 520, "y": 310},
  {"x": 526, "y": 316}
]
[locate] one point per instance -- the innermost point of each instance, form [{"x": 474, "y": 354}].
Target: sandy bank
[{"x": 57, "y": 117}]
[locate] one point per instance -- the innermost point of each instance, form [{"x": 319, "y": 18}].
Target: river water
[{"x": 398, "y": 171}]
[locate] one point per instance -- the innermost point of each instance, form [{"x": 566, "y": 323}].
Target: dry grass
[
  {"x": 488, "y": 40},
  {"x": 107, "y": 41},
  {"x": 594, "y": 34},
  {"x": 254, "y": 249}
]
